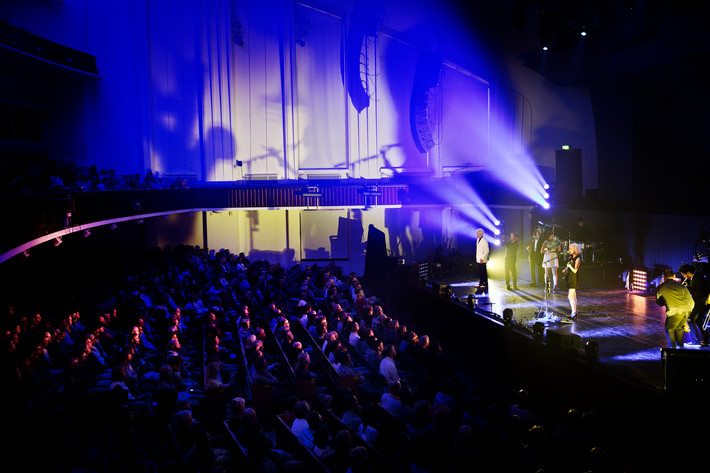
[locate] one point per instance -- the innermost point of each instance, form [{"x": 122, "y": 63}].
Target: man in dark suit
[
  {"x": 699, "y": 288},
  {"x": 511, "y": 260},
  {"x": 537, "y": 273}
]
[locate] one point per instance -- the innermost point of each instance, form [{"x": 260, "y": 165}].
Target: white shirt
[{"x": 388, "y": 369}]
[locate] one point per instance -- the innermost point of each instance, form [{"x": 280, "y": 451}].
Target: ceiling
[{"x": 626, "y": 40}]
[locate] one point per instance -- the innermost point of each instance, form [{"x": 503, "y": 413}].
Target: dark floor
[{"x": 627, "y": 326}]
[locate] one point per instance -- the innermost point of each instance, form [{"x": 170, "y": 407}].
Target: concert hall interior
[{"x": 441, "y": 224}]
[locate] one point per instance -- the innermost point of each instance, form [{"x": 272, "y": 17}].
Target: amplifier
[{"x": 563, "y": 340}]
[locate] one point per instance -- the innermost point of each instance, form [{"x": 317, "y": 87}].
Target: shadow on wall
[
  {"x": 220, "y": 144},
  {"x": 285, "y": 258},
  {"x": 406, "y": 224}
]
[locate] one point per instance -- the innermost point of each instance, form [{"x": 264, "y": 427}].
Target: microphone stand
[{"x": 546, "y": 315}]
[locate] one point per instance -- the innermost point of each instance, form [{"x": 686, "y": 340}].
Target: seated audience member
[
  {"x": 352, "y": 415},
  {"x": 301, "y": 370},
  {"x": 300, "y": 410},
  {"x": 368, "y": 429},
  {"x": 336, "y": 461},
  {"x": 213, "y": 377},
  {"x": 363, "y": 334},
  {"x": 410, "y": 341},
  {"x": 261, "y": 374},
  {"x": 392, "y": 403},
  {"x": 139, "y": 401},
  {"x": 321, "y": 442},
  {"x": 358, "y": 459},
  {"x": 373, "y": 353},
  {"x": 307, "y": 436},
  {"x": 387, "y": 366}
]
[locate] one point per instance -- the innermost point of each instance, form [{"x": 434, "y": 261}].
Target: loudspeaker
[
  {"x": 568, "y": 175},
  {"x": 686, "y": 370},
  {"x": 426, "y": 77},
  {"x": 563, "y": 340}
]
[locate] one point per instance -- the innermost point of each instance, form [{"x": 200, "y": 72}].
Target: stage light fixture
[
  {"x": 57, "y": 241},
  {"x": 140, "y": 221},
  {"x": 87, "y": 233},
  {"x": 546, "y": 205},
  {"x": 544, "y": 48},
  {"x": 639, "y": 280},
  {"x": 26, "y": 253},
  {"x": 546, "y": 186},
  {"x": 113, "y": 226}
]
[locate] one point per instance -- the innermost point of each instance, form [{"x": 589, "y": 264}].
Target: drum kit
[{"x": 591, "y": 251}]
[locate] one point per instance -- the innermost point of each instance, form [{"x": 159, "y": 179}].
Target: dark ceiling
[{"x": 626, "y": 40}]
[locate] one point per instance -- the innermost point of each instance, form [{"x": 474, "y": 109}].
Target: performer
[
  {"x": 571, "y": 271},
  {"x": 511, "y": 260},
  {"x": 679, "y": 304},
  {"x": 550, "y": 260},
  {"x": 582, "y": 233},
  {"x": 699, "y": 288},
  {"x": 537, "y": 274},
  {"x": 482, "y": 251}
]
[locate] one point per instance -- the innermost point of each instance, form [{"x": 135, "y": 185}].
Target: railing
[{"x": 35, "y": 218}]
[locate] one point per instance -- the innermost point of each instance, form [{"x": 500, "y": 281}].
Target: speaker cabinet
[
  {"x": 426, "y": 77},
  {"x": 568, "y": 175},
  {"x": 563, "y": 340},
  {"x": 686, "y": 370}
]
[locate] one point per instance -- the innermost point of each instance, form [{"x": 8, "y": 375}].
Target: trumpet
[{"x": 531, "y": 246}]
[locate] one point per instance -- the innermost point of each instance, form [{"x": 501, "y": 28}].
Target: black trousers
[
  {"x": 537, "y": 272},
  {"x": 695, "y": 321},
  {"x": 482, "y": 274},
  {"x": 511, "y": 271}
]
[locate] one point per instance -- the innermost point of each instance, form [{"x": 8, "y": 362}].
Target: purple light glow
[
  {"x": 521, "y": 175},
  {"x": 474, "y": 211}
]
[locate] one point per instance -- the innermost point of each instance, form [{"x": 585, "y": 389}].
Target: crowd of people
[
  {"x": 187, "y": 322},
  {"x": 61, "y": 175}
]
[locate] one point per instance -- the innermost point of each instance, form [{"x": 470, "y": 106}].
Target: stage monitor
[{"x": 686, "y": 370}]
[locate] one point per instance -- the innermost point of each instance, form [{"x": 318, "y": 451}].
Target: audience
[
  {"x": 65, "y": 175},
  {"x": 185, "y": 317}
]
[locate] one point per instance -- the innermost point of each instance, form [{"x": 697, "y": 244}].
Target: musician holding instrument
[
  {"x": 511, "y": 259},
  {"x": 550, "y": 259},
  {"x": 535, "y": 256},
  {"x": 571, "y": 271},
  {"x": 699, "y": 288},
  {"x": 582, "y": 233}
]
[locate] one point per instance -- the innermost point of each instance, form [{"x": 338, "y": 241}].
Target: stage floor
[{"x": 628, "y": 326}]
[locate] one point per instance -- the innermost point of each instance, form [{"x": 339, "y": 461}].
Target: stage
[{"x": 627, "y": 326}]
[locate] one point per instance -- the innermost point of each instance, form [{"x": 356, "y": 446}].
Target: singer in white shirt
[{"x": 482, "y": 251}]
